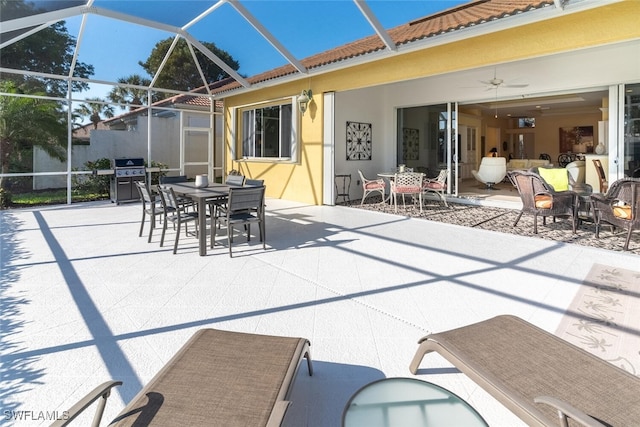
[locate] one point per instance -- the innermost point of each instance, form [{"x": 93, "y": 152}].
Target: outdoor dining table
[{"x": 201, "y": 196}]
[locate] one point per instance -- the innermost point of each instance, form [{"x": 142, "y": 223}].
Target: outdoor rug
[
  {"x": 501, "y": 220},
  {"x": 604, "y": 317}
]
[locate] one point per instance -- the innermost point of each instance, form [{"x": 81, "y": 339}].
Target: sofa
[{"x": 526, "y": 164}]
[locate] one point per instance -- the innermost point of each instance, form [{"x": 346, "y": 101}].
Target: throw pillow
[{"x": 558, "y": 178}]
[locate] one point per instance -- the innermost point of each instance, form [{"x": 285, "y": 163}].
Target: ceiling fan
[{"x": 496, "y": 83}]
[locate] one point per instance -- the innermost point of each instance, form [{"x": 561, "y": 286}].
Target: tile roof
[{"x": 459, "y": 17}]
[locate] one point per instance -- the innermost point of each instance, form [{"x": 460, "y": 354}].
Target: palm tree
[
  {"x": 130, "y": 95},
  {"x": 95, "y": 109},
  {"x": 26, "y": 123}
]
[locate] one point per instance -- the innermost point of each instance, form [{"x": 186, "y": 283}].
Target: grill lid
[{"x": 128, "y": 162}]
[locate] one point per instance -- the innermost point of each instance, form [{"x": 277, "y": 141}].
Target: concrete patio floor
[{"x": 85, "y": 300}]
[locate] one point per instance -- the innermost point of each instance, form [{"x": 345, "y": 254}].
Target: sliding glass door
[{"x": 428, "y": 141}]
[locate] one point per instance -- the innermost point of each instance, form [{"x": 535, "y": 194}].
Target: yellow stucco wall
[{"x": 303, "y": 181}]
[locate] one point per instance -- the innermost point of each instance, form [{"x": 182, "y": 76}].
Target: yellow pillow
[{"x": 558, "y": 178}]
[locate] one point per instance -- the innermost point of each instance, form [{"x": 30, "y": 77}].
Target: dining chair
[
  {"x": 245, "y": 206},
  {"x": 220, "y": 202},
  {"x": 187, "y": 202},
  {"x": 253, "y": 182},
  {"x": 406, "y": 184},
  {"x": 370, "y": 186},
  {"x": 602, "y": 178},
  {"x": 177, "y": 214},
  {"x": 437, "y": 185},
  {"x": 151, "y": 205}
]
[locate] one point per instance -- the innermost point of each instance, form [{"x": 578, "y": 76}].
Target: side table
[
  {"x": 343, "y": 185},
  {"x": 408, "y": 402}
]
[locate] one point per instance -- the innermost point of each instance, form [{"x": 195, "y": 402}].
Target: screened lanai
[{"x": 109, "y": 38}]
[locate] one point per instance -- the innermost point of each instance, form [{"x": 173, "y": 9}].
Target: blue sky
[{"x": 304, "y": 27}]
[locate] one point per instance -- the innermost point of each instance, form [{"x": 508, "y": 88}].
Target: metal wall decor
[
  {"x": 358, "y": 141},
  {"x": 410, "y": 144}
]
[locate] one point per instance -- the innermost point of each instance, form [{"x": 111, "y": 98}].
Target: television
[{"x": 526, "y": 122}]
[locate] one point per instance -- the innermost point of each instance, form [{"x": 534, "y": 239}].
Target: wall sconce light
[{"x": 303, "y": 100}]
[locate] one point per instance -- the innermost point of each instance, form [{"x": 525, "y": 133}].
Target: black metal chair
[
  {"x": 176, "y": 213},
  {"x": 253, "y": 182},
  {"x": 151, "y": 205},
  {"x": 245, "y": 206},
  {"x": 540, "y": 199}
]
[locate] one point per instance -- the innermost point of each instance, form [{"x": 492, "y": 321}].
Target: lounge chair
[
  {"x": 218, "y": 378},
  {"x": 541, "y": 378}
]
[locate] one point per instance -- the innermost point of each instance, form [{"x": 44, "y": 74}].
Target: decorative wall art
[
  {"x": 410, "y": 144},
  {"x": 358, "y": 141},
  {"x": 578, "y": 139}
]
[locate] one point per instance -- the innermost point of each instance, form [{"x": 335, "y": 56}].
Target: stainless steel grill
[{"x": 126, "y": 172}]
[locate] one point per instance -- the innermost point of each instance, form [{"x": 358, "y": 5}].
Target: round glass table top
[{"x": 408, "y": 402}]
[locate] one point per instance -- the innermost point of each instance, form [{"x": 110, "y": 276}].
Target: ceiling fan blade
[{"x": 520, "y": 85}]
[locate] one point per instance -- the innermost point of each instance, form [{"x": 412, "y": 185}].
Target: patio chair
[
  {"x": 253, "y": 182},
  {"x": 218, "y": 203},
  {"x": 492, "y": 170},
  {"x": 370, "y": 186},
  {"x": 175, "y": 213},
  {"x": 539, "y": 377},
  {"x": 218, "y": 378},
  {"x": 540, "y": 199},
  {"x": 245, "y": 206},
  {"x": 619, "y": 207},
  {"x": 437, "y": 185},
  {"x": 151, "y": 206},
  {"x": 602, "y": 178},
  {"x": 406, "y": 184},
  {"x": 187, "y": 202}
]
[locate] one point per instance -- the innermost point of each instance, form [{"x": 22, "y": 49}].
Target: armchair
[
  {"x": 371, "y": 186},
  {"x": 620, "y": 207},
  {"x": 491, "y": 171},
  {"x": 540, "y": 199}
]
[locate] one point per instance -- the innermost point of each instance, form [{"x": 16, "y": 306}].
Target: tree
[
  {"x": 47, "y": 51},
  {"x": 130, "y": 95},
  {"x": 95, "y": 110},
  {"x": 26, "y": 123},
  {"x": 180, "y": 72}
]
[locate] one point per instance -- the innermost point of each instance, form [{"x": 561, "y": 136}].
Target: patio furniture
[
  {"x": 577, "y": 170},
  {"x": 151, "y": 206},
  {"x": 370, "y": 186},
  {"x": 177, "y": 179},
  {"x": 176, "y": 213},
  {"x": 539, "y": 377},
  {"x": 565, "y": 158},
  {"x": 602, "y": 178},
  {"x": 408, "y": 402},
  {"x": 217, "y": 203},
  {"x": 437, "y": 185},
  {"x": 201, "y": 197},
  {"x": 253, "y": 182},
  {"x": 235, "y": 180},
  {"x": 540, "y": 199},
  {"x": 218, "y": 378},
  {"x": 492, "y": 170},
  {"x": 406, "y": 184},
  {"x": 245, "y": 207},
  {"x": 619, "y": 207},
  {"x": 342, "y": 183}
]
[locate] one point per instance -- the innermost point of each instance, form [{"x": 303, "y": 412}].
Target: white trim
[{"x": 328, "y": 148}]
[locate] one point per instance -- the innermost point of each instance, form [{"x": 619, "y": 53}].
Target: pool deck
[{"x": 85, "y": 300}]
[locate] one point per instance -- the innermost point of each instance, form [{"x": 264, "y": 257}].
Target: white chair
[
  {"x": 437, "y": 185},
  {"x": 406, "y": 184},
  {"x": 492, "y": 170},
  {"x": 577, "y": 171},
  {"x": 371, "y": 186}
]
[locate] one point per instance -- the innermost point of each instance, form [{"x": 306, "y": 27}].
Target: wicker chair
[
  {"x": 620, "y": 207},
  {"x": 539, "y": 199}
]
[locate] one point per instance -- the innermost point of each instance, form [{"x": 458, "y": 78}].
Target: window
[{"x": 268, "y": 132}]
